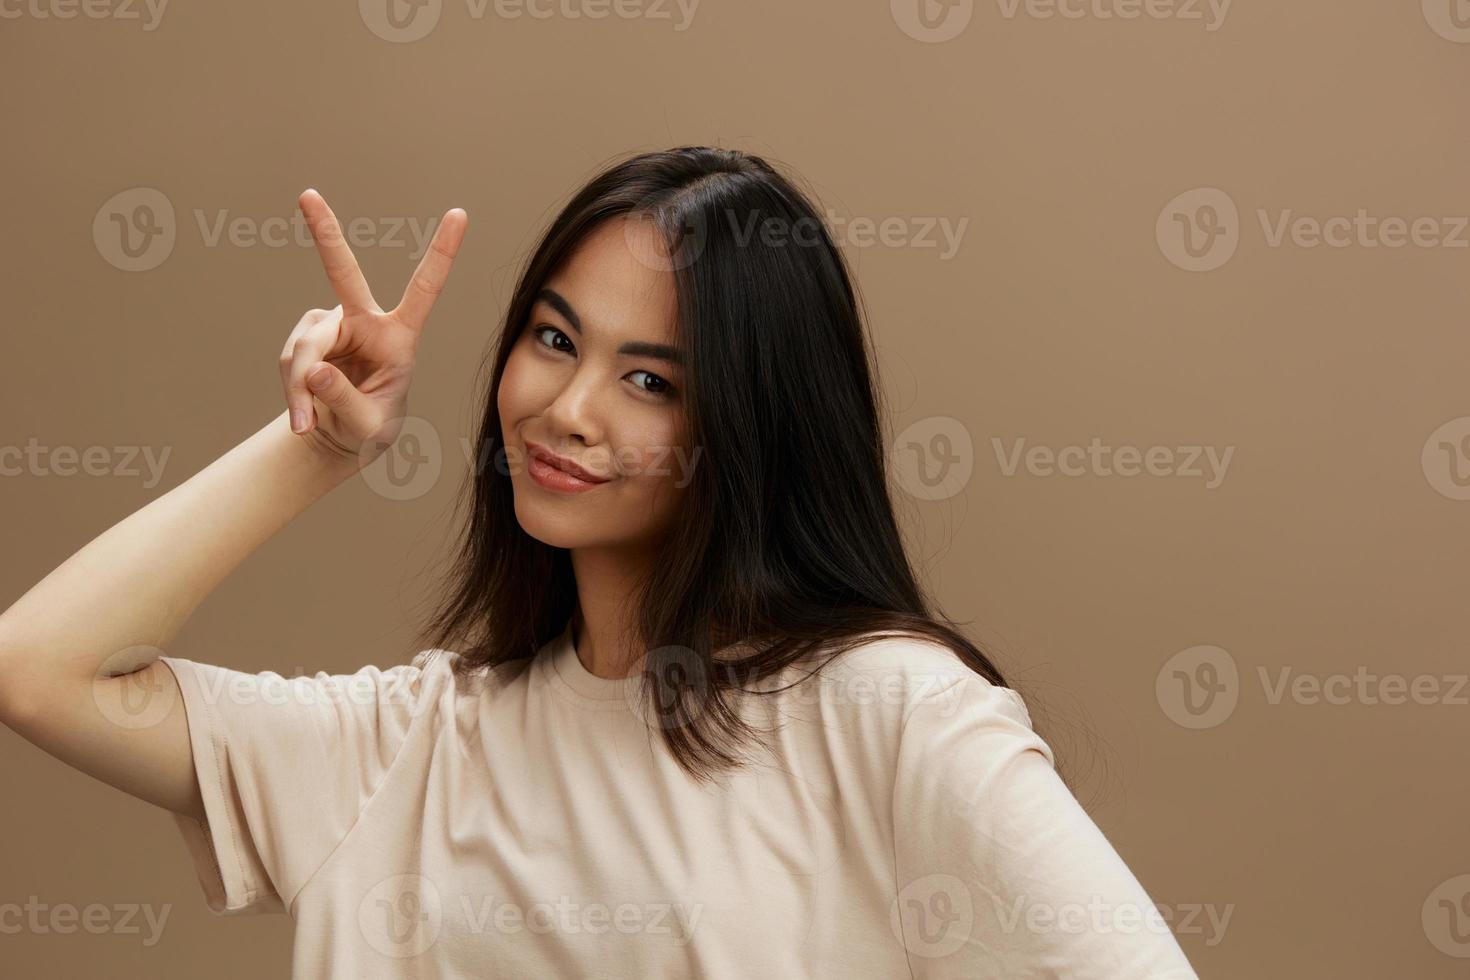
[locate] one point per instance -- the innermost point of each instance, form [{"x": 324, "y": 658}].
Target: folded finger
[{"x": 315, "y": 344}]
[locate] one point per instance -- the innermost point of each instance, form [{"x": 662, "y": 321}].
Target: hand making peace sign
[{"x": 346, "y": 370}]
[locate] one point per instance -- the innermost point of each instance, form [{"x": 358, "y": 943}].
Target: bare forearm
[{"x": 133, "y": 586}]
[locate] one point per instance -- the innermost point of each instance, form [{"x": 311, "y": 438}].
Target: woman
[{"x": 700, "y": 719}]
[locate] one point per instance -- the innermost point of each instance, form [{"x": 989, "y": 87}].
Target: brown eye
[
  {"x": 540, "y": 332},
  {"x": 660, "y": 386}
]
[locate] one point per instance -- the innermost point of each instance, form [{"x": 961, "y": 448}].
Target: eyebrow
[{"x": 636, "y": 348}]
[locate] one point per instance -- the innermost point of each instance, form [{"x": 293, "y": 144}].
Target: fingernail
[
  {"x": 319, "y": 380},
  {"x": 298, "y": 420}
]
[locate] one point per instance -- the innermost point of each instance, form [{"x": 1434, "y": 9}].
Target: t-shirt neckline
[{"x": 567, "y": 670}]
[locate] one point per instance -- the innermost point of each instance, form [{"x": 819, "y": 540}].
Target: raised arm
[{"x": 78, "y": 648}]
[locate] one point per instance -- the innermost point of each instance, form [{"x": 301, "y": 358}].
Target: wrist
[{"x": 324, "y": 457}]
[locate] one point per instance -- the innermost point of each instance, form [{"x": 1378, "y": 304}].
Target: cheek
[
  {"x": 652, "y": 456},
  {"x": 513, "y": 396}
]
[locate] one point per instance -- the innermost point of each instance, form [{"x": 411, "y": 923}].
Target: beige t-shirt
[{"x": 903, "y": 821}]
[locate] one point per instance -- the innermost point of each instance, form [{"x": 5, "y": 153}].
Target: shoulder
[
  {"x": 945, "y": 722},
  {"x": 909, "y": 674},
  {"x": 438, "y": 673},
  {"x": 905, "y": 707},
  {"x": 445, "y": 674},
  {"x": 429, "y": 666}
]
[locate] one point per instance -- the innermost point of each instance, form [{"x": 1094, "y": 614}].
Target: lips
[{"x": 562, "y": 463}]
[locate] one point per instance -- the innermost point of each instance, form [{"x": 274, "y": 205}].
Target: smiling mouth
[{"x": 559, "y": 473}]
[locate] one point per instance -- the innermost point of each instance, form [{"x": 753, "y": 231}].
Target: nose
[{"x": 572, "y": 414}]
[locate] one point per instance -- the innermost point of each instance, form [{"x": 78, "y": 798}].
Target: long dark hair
[{"x": 786, "y": 543}]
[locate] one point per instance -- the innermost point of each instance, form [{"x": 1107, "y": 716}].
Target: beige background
[{"x": 1329, "y": 833}]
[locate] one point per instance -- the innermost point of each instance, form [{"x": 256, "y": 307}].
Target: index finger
[
  {"x": 428, "y": 279},
  {"x": 341, "y": 265}
]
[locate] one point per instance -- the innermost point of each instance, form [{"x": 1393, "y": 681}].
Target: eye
[
  {"x": 657, "y": 386},
  {"x": 661, "y": 386},
  {"x": 539, "y": 330}
]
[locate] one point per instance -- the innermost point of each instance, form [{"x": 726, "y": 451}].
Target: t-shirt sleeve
[
  {"x": 285, "y": 767},
  {"x": 1001, "y": 873}
]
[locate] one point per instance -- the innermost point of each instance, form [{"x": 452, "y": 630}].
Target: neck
[{"x": 602, "y": 627}]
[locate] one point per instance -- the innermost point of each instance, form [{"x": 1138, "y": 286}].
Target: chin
[
  {"x": 568, "y": 527},
  {"x": 579, "y": 526},
  {"x": 555, "y": 530}
]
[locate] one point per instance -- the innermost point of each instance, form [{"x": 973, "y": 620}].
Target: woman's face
[{"x": 590, "y": 379}]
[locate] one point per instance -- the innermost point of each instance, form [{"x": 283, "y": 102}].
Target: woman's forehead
[{"x": 611, "y": 289}]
